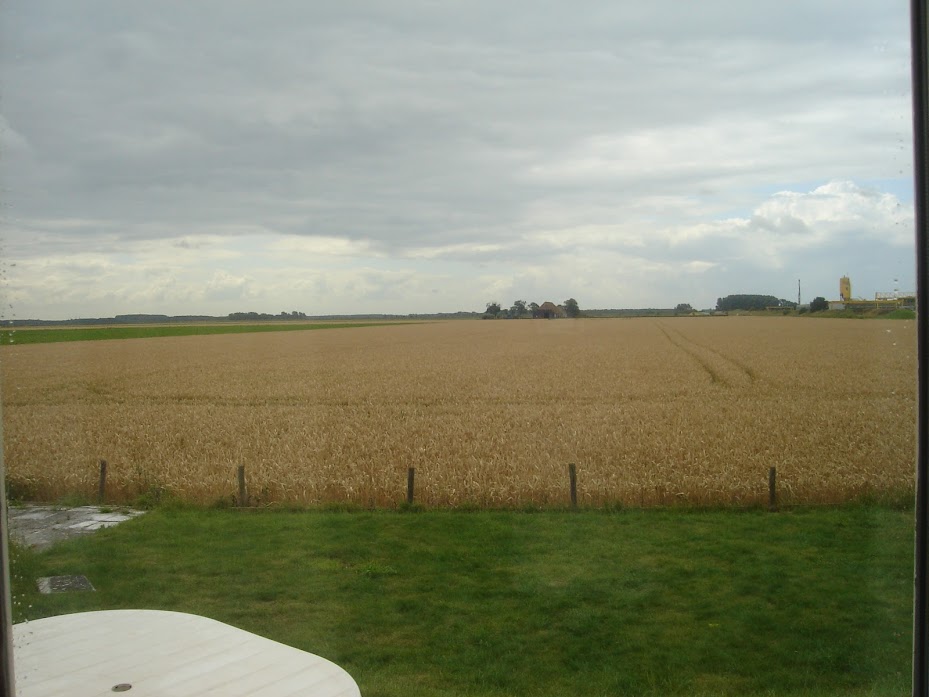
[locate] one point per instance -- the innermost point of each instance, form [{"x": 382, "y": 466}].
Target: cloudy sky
[{"x": 207, "y": 157}]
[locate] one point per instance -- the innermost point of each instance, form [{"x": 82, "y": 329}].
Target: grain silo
[{"x": 845, "y": 288}]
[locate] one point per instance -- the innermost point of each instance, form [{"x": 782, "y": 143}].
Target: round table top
[{"x": 154, "y": 652}]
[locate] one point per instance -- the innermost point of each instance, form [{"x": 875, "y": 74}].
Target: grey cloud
[{"x": 432, "y": 126}]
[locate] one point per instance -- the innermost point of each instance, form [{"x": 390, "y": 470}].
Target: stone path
[{"x": 40, "y": 527}]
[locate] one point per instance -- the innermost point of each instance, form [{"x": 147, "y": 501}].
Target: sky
[{"x": 408, "y": 156}]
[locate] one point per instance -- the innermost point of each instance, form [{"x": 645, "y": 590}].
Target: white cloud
[
  {"x": 813, "y": 233},
  {"x": 312, "y": 247},
  {"x": 224, "y": 286},
  {"x": 458, "y": 251},
  {"x": 841, "y": 208}
]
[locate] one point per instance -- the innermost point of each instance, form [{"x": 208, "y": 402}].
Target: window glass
[{"x": 479, "y": 348}]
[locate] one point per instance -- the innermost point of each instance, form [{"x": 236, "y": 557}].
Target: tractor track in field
[{"x": 722, "y": 370}]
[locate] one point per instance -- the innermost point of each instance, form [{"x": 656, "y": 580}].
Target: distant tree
[
  {"x": 571, "y": 308},
  {"x": 493, "y": 308},
  {"x": 819, "y": 304},
  {"x": 533, "y": 308},
  {"x": 751, "y": 302},
  {"x": 683, "y": 309},
  {"x": 518, "y": 309},
  {"x": 251, "y": 316}
]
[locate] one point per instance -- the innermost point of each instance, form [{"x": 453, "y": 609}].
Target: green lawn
[
  {"x": 806, "y": 602},
  {"x": 46, "y": 336}
]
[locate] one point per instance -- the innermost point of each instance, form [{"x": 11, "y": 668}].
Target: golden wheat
[{"x": 653, "y": 411}]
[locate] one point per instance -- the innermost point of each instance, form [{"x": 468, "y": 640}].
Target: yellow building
[
  {"x": 845, "y": 288},
  {"x": 883, "y": 302}
]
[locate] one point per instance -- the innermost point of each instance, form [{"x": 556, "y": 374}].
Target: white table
[{"x": 164, "y": 654}]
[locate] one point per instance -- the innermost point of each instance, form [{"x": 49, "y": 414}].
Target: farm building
[
  {"x": 881, "y": 302},
  {"x": 549, "y": 310}
]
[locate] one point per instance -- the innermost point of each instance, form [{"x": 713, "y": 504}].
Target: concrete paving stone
[
  {"x": 99, "y": 525},
  {"x": 37, "y": 515},
  {"x": 81, "y": 525},
  {"x": 109, "y": 517},
  {"x": 63, "y": 584},
  {"x": 42, "y": 526}
]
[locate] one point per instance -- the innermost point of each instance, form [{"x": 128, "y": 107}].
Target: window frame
[
  {"x": 919, "y": 43},
  {"x": 919, "y": 46}
]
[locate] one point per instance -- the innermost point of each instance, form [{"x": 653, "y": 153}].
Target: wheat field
[{"x": 652, "y": 411}]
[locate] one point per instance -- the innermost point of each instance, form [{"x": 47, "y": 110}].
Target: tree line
[
  {"x": 522, "y": 308},
  {"x": 252, "y": 316},
  {"x": 763, "y": 302},
  {"x": 752, "y": 302}
]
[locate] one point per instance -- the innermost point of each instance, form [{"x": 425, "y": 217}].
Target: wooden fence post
[
  {"x": 243, "y": 498},
  {"x": 410, "y": 475},
  {"x": 572, "y": 476},
  {"x": 772, "y": 489},
  {"x": 101, "y": 490}
]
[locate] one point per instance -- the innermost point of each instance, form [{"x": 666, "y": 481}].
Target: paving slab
[
  {"x": 40, "y": 527},
  {"x": 63, "y": 584}
]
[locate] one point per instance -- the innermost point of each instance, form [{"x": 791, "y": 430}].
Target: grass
[
  {"x": 864, "y": 314},
  {"x": 901, "y": 314},
  {"x": 687, "y": 602},
  {"x": 49, "y": 336}
]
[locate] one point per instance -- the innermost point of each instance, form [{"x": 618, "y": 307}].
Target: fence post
[
  {"x": 101, "y": 489},
  {"x": 410, "y": 474},
  {"x": 243, "y": 499},
  {"x": 572, "y": 476},
  {"x": 772, "y": 489}
]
